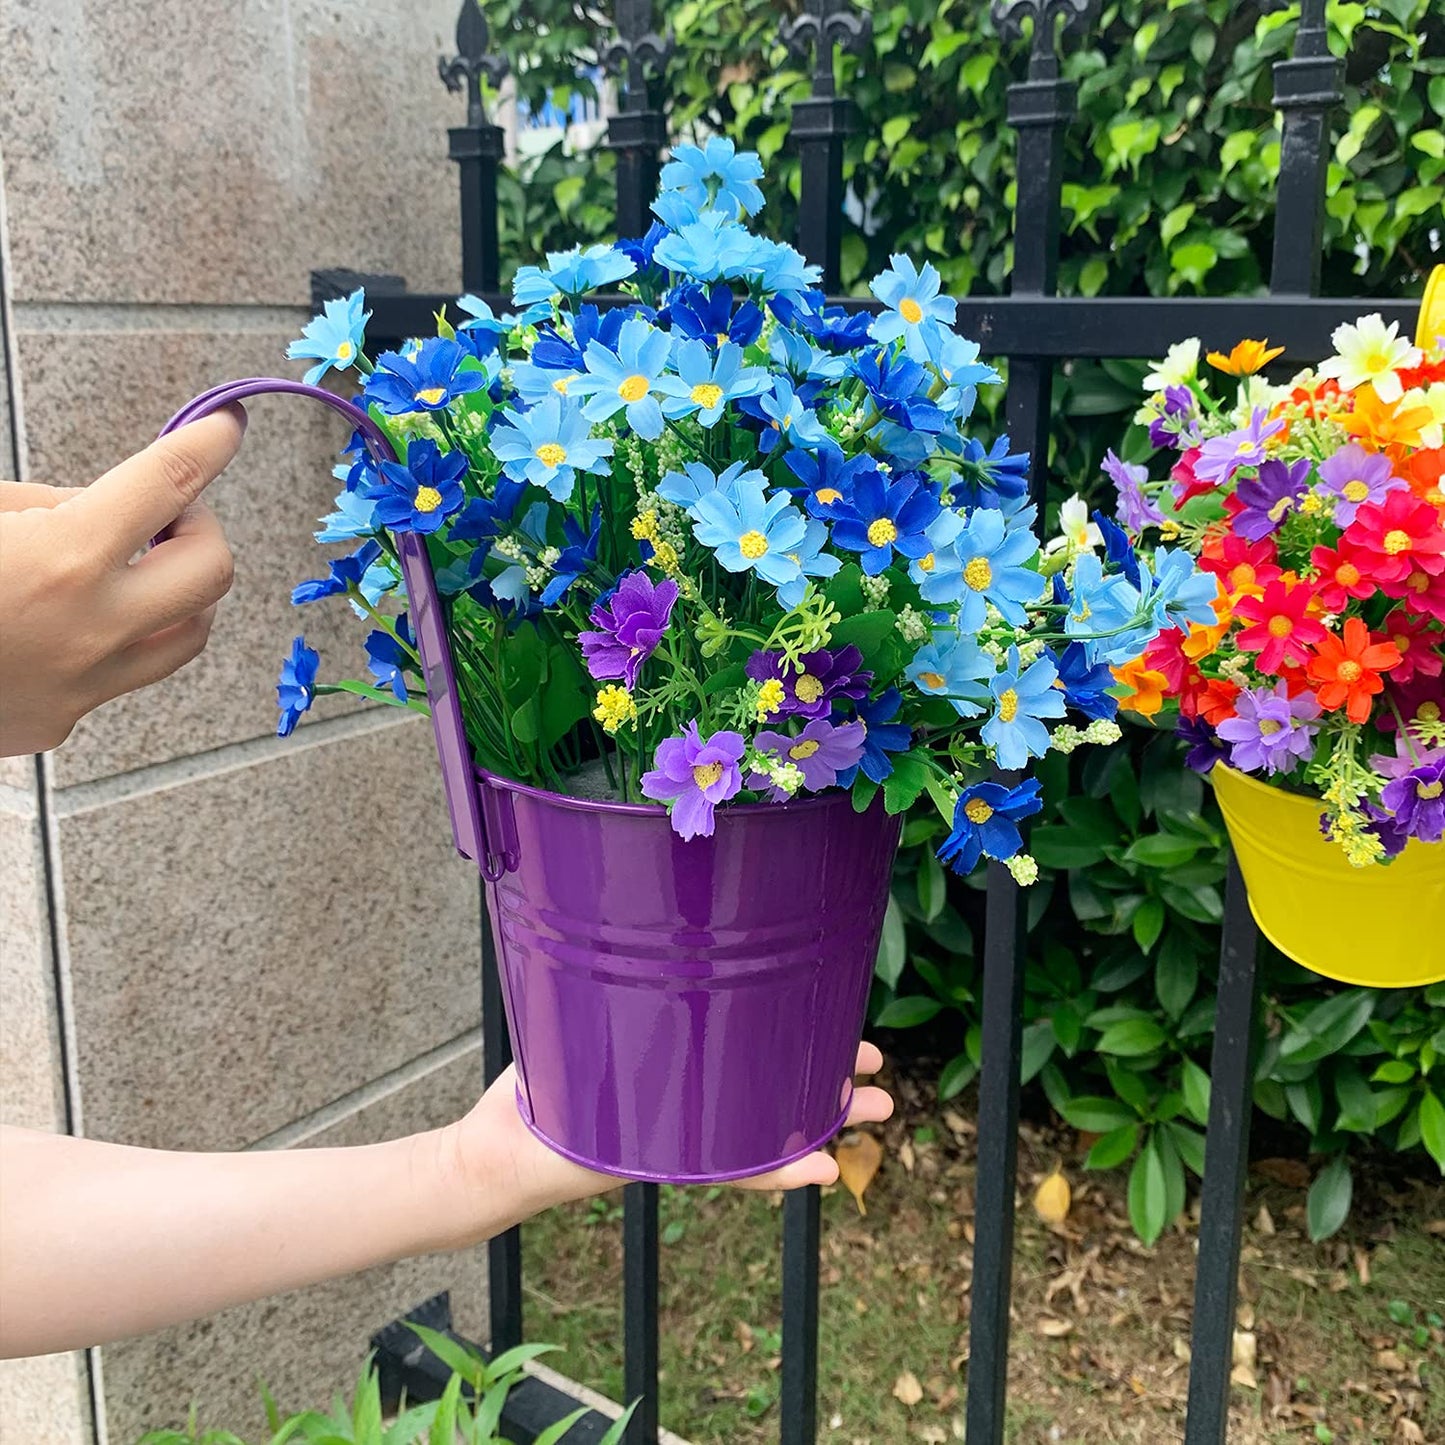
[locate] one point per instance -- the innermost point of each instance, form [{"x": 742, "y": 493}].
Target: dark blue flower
[
  {"x": 985, "y": 476},
  {"x": 1205, "y": 745},
  {"x": 899, "y": 389},
  {"x": 1118, "y": 549},
  {"x": 881, "y": 736},
  {"x": 428, "y": 380},
  {"x": 833, "y": 328},
  {"x": 388, "y": 659},
  {"x": 884, "y": 517},
  {"x": 483, "y": 518},
  {"x": 706, "y": 314},
  {"x": 985, "y": 823},
  {"x": 579, "y": 554},
  {"x": 423, "y": 493},
  {"x": 346, "y": 573},
  {"x": 640, "y": 248},
  {"x": 1085, "y": 683},
  {"x": 825, "y": 478},
  {"x": 296, "y": 687}
]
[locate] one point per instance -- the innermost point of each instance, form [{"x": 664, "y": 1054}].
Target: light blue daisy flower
[
  {"x": 985, "y": 564},
  {"x": 571, "y": 273},
  {"x": 548, "y": 446},
  {"x": 632, "y": 377},
  {"x": 332, "y": 339},
  {"x": 716, "y": 174},
  {"x": 955, "y": 668},
  {"x": 695, "y": 481},
  {"x": 1022, "y": 697},
  {"x": 751, "y": 531},
  {"x": 710, "y": 380},
  {"x": 812, "y": 561},
  {"x": 912, "y": 298}
]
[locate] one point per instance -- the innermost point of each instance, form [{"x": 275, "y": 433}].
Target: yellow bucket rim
[{"x": 1432, "y": 310}]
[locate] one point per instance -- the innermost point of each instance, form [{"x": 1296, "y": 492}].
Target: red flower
[
  {"x": 1186, "y": 484},
  {"x": 1243, "y": 568},
  {"x": 1282, "y": 633},
  {"x": 1216, "y": 700},
  {"x": 1423, "y": 593},
  {"x": 1395, "y": 536},
  {"x": 1347, "y": 669},
  {"x": 1420, "y": 647},
  {"x": 1340, "y": 575},
  {"x": 1166, "y": 655}
]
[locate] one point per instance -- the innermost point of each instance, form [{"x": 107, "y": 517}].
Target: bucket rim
[
  {"x": 1250, "y": 783},
  {"x": 834, "y": 798}
]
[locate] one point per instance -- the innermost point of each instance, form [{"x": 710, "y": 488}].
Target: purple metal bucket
[{"x": 680, "y": 1011}]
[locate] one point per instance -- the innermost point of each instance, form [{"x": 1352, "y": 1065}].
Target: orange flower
[
  {"x": 1385, "y": 426},
  {"x": 1347, "y": 669},
  {"x": 1201, "y": 641},
  {"x": 1246, "y": 358},
  {"x": 1146, "y": 695},
  {"x": 1216, "y": 700},
  {"x": 1425, "y": 472}
]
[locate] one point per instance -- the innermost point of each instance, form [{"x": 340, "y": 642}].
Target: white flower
[
  {"x": 1024, "y": 869},
  {"x": 1079, "y": 534},
  {"x": 1255, "y": 391},
  {"x": 1104, "y": 731},
  {"x": 1178, "y": 368},
  {"x": 1432, "y": 434},
  {"x": 1065, "y": 739},
  {"x": 1370, "y": 351}
]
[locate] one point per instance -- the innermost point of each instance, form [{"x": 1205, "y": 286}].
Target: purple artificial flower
[
  {"x": 695, "y": 776},
  {"x": 1416, "y": 802},
  {"x": 631, "y": 622},
  {"x": 1383, "y": 826},
  {"x": 1271, "y": 731},
  {"x": 821, "y": 750},
  {"x": 1205, "y": 748},
  {"x": 1220, "y": 457},
  {"x": 1269, "y": 497},
  {"x": 1135, "y": 510},
  {"x": 825, "y": 675},
  {"x": 1177, "y": 426},
  {"x": 1354, "y": 476}
]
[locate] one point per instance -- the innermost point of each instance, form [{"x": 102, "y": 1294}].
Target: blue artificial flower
[
  {"x": 881, "y": 736},
  {"x": 640, "y": 251},
  {"x": 708, "y": 250},
  {"x": 571, "y": 274},
  {"x": 706, "y": 314},
  {"x": 1118, "y": 549},
  {"x": 986, "y": 476},
  {"x": 834, "y": 328},
  {"x": 797, "y": 355},
  {"x": 696, "y": 480},
  {"x": 786, "y": 415},
  {"x": 387, "y": 659},
  {"x": 510, "y": 587},
  {"x": 826, "y": 477},
  {"x": 630, "y": 378},
  {"x": 955, "y": 358},
  {"x": 985, "y": 564},
  {"x": 422, "y": 493},
  {"x": 355, "y": 516},
  {"x": 985, "y": 823},
  {"x": 576, "y": 557},
  {"x": 912, "y": 298},
  {"x": 953, "y": 667},
  {"x": 379, "y": 580},
  {"x": 883, "y": 517},
  {"x": 674, "y": 211},
  {"x": 1102, "y": 609},
  {"x": 716, "y": 174},
  {"x": 898, "y": 388},
  {"x": 548, "y": 446},
  {"x": 334, "y": 338},
  {"x": 750, "y": 531},
  {"x": 1182, "y": 593},
  {"x": 429, "y": 379},
  {"x": 296, "y": 687},
  {"x": 556, "y": 352},
  {"x": 346, "y": 573},
  {"x": 1085, "y": 683},
  {"x": 710, "y": 380},
  {"x": 812, "y": 561},
  {"x": 780, "y": 269},
  {"x": 482, "y": 332},
  {"x": 1022, "y": 696}
]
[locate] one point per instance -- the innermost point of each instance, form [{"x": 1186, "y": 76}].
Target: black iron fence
[{"x": 1036, "y": 331}]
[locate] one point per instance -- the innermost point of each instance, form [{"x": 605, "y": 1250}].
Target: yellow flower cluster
[
  {"x": 770, "y": 699},
  {"x": 615, "y": 708}
]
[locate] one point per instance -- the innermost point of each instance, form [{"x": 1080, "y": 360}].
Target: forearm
[{"x": 99, "y": 1241}]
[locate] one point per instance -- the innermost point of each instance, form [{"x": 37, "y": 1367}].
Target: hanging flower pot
[{"x": 1378, "y": 927}]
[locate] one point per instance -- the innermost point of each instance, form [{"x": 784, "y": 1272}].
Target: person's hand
[
  {"x": 493, "y": 1138},
  {"x": 82, "y": 617}
]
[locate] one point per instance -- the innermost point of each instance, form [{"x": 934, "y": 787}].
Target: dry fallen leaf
[
  {"x": 906, "y": 1389},
  {"x": 1362, "y": 1265},
  {"x": 1055, "y": 1329},
  {"x": 1408, "y": 1432},
  {"x": 1246, "y": 1349},
  {"x": 1052, "y": 1199},
  {"x": 1264, "y": 1220},
  {"x": 1389, "y": 1360},
  {"x": 859, "y": 1156}
]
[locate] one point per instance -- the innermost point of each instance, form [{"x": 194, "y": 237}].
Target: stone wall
[{"x": 214, "y": 939}]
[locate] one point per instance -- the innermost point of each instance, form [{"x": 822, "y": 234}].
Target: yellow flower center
[
  {"x": 977, "y": 811},
  {"x": 720, "y": 337},
  {"x": 828, "y": 495},
  {"x": 1244, "y": 448},
  {"x": 1429, "y": 791},
  {"x": 752, "y": 545},
  {"x": 345, "y": 351},
  {"x": 1311, "y": 505},
  {"x": 1397, "y": 541},
  {"x": 1347, "y": 574},
  {"x": 808, "y": 688},
  {"x": 563, "y": 382},
  {"x": 910, "y": 311},
  {"x": 707, "y": 394},
  {"x": 1280, "y": 626},
  {"x": 804, "y": 749},
  {"x": 1375, "y": 362},
  {"x": 1243, "y": 576},
  {"x": 1355, "y": 491},
  {"x": 551, "y": 454},
  {"x": 978, "y": 574},
  {"x": 431, "y": 395},
  {"x": 881, "y": 532},
  {"x": 1428, "y": 712},
  {"x": 1268, "y": 727},
  {"x": 927, "y": 563},
  {"x": 1008, "y": 705},
  {"x": 634, "y": 388},
  {"x": 1349, "y": 671},
  {"x": 428, "y": 499},
  {"x": 931, "y": 680},
  {"x": 706, "y": 774}
]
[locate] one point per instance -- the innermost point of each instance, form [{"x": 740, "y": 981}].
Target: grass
[{"x": 1337, "y": 1342}]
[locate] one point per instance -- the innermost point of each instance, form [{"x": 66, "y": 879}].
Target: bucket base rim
[
  {"x": 650, "y": 1176},
  {"x": 1339, "y": 975}
]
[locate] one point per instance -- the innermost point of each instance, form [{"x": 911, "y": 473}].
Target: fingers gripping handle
[{"x": 427, "y": 618}]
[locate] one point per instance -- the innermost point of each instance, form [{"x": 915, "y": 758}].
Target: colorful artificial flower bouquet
[
  {"x": 1317, "y": 505},
  {"x": 725, "y": 542}
]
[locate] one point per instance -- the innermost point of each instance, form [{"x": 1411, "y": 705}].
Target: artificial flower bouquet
[{"x": 1317, "y": 507}]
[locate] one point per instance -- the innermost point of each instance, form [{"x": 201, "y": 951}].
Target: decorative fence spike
[{"x": 636, "y": 135}]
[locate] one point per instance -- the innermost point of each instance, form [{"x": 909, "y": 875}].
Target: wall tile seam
[
  {"x": 18, "y": 802},
  {"x": 100, "y": 318},
  {"x": 10, "y": 363},
  {"x": 374, "y": 1091}
]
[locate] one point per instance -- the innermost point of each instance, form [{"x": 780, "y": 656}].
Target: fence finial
[
  {"x": 1009, "y": 16},
  {"x": 472, "y": 61},
  {"x": 824, "y": 26},
  {"x": 636, "y": 52}
]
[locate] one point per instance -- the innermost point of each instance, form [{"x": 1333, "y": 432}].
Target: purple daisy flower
[
  {"x": 825, "y": 675},
  {"x": 1383, "y": 826},
  {"x": 1353, "y": 477},
  {"x": 1177, "y": 425},
  {"x": 1271, "y": 731},
  {"x": 1416, "y": 802},
  {"x": 1135, "y": 510},
  {"x": 1221, "y": 457},
  {"x": 630, "y": 624},
  {"x": 1205, "y": 748},
  {"x": 694, "y": 775},
  {"x": 821, "y": 750},
  {"x": 1270, "y": 497}
]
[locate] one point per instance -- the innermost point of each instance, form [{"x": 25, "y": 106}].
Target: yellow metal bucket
[
  {"x": 1432, "y": 310},
  {"x": 1382, "y": 926}
]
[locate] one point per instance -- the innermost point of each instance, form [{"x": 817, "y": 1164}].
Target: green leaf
[
  {"x": 1161, "y": 850},
  {"x": 454, "y": 1355},
  {"x": 1357, "y": 1107},
  {"x": 1194, "y": 1086},
  {"x": 895, "y": 128},
  {"x": 1095, "y": 1115},
  {"x": 1131, "y": 1038},
  {"x": 1176, "y": 220},
  {"x": 1432, "y": 1128},
  {"x": 1056, "y": 847},
  {"x": 1190, "y": 1144},
  {"x": 892, "y": 946},
  {"x": 1149, "y": 924},
  {"x": 1112, "y": 1149},
  {"x": 553, "y": 1434},
  {"x": 1328, "y": 1026},
  {"x": 618, "y": 1429},
  {"x": 932, "y": 887},
  {"x": 674, "y": 1231},
  {"x": 903, "y": 785},
  {"x": 1194, "y": 261},
  {"x": 907, "y": 1013},
  {"x": 1237, "y": 146},
  {"x": 1396, "y": 1071},
  {"x": 958, "y": 1073},
  {"x": 1148, "y": 1194},
  {"x": 1176, "y": 975},
  {"x": 1035, "y": 1049},
  {"x": 1328, "y": 1202}
]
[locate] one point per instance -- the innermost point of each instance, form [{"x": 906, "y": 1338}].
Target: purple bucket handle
[{"x": 427, "y": 620}]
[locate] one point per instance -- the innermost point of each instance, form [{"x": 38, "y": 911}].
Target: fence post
[
  {"x": 476, "y": 147},
  {"x": 819, "y": 124},
  {"x": 637, "y": 132}
]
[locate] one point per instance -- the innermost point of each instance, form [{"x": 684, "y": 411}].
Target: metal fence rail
[{"x": 1034, "y": 330}]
